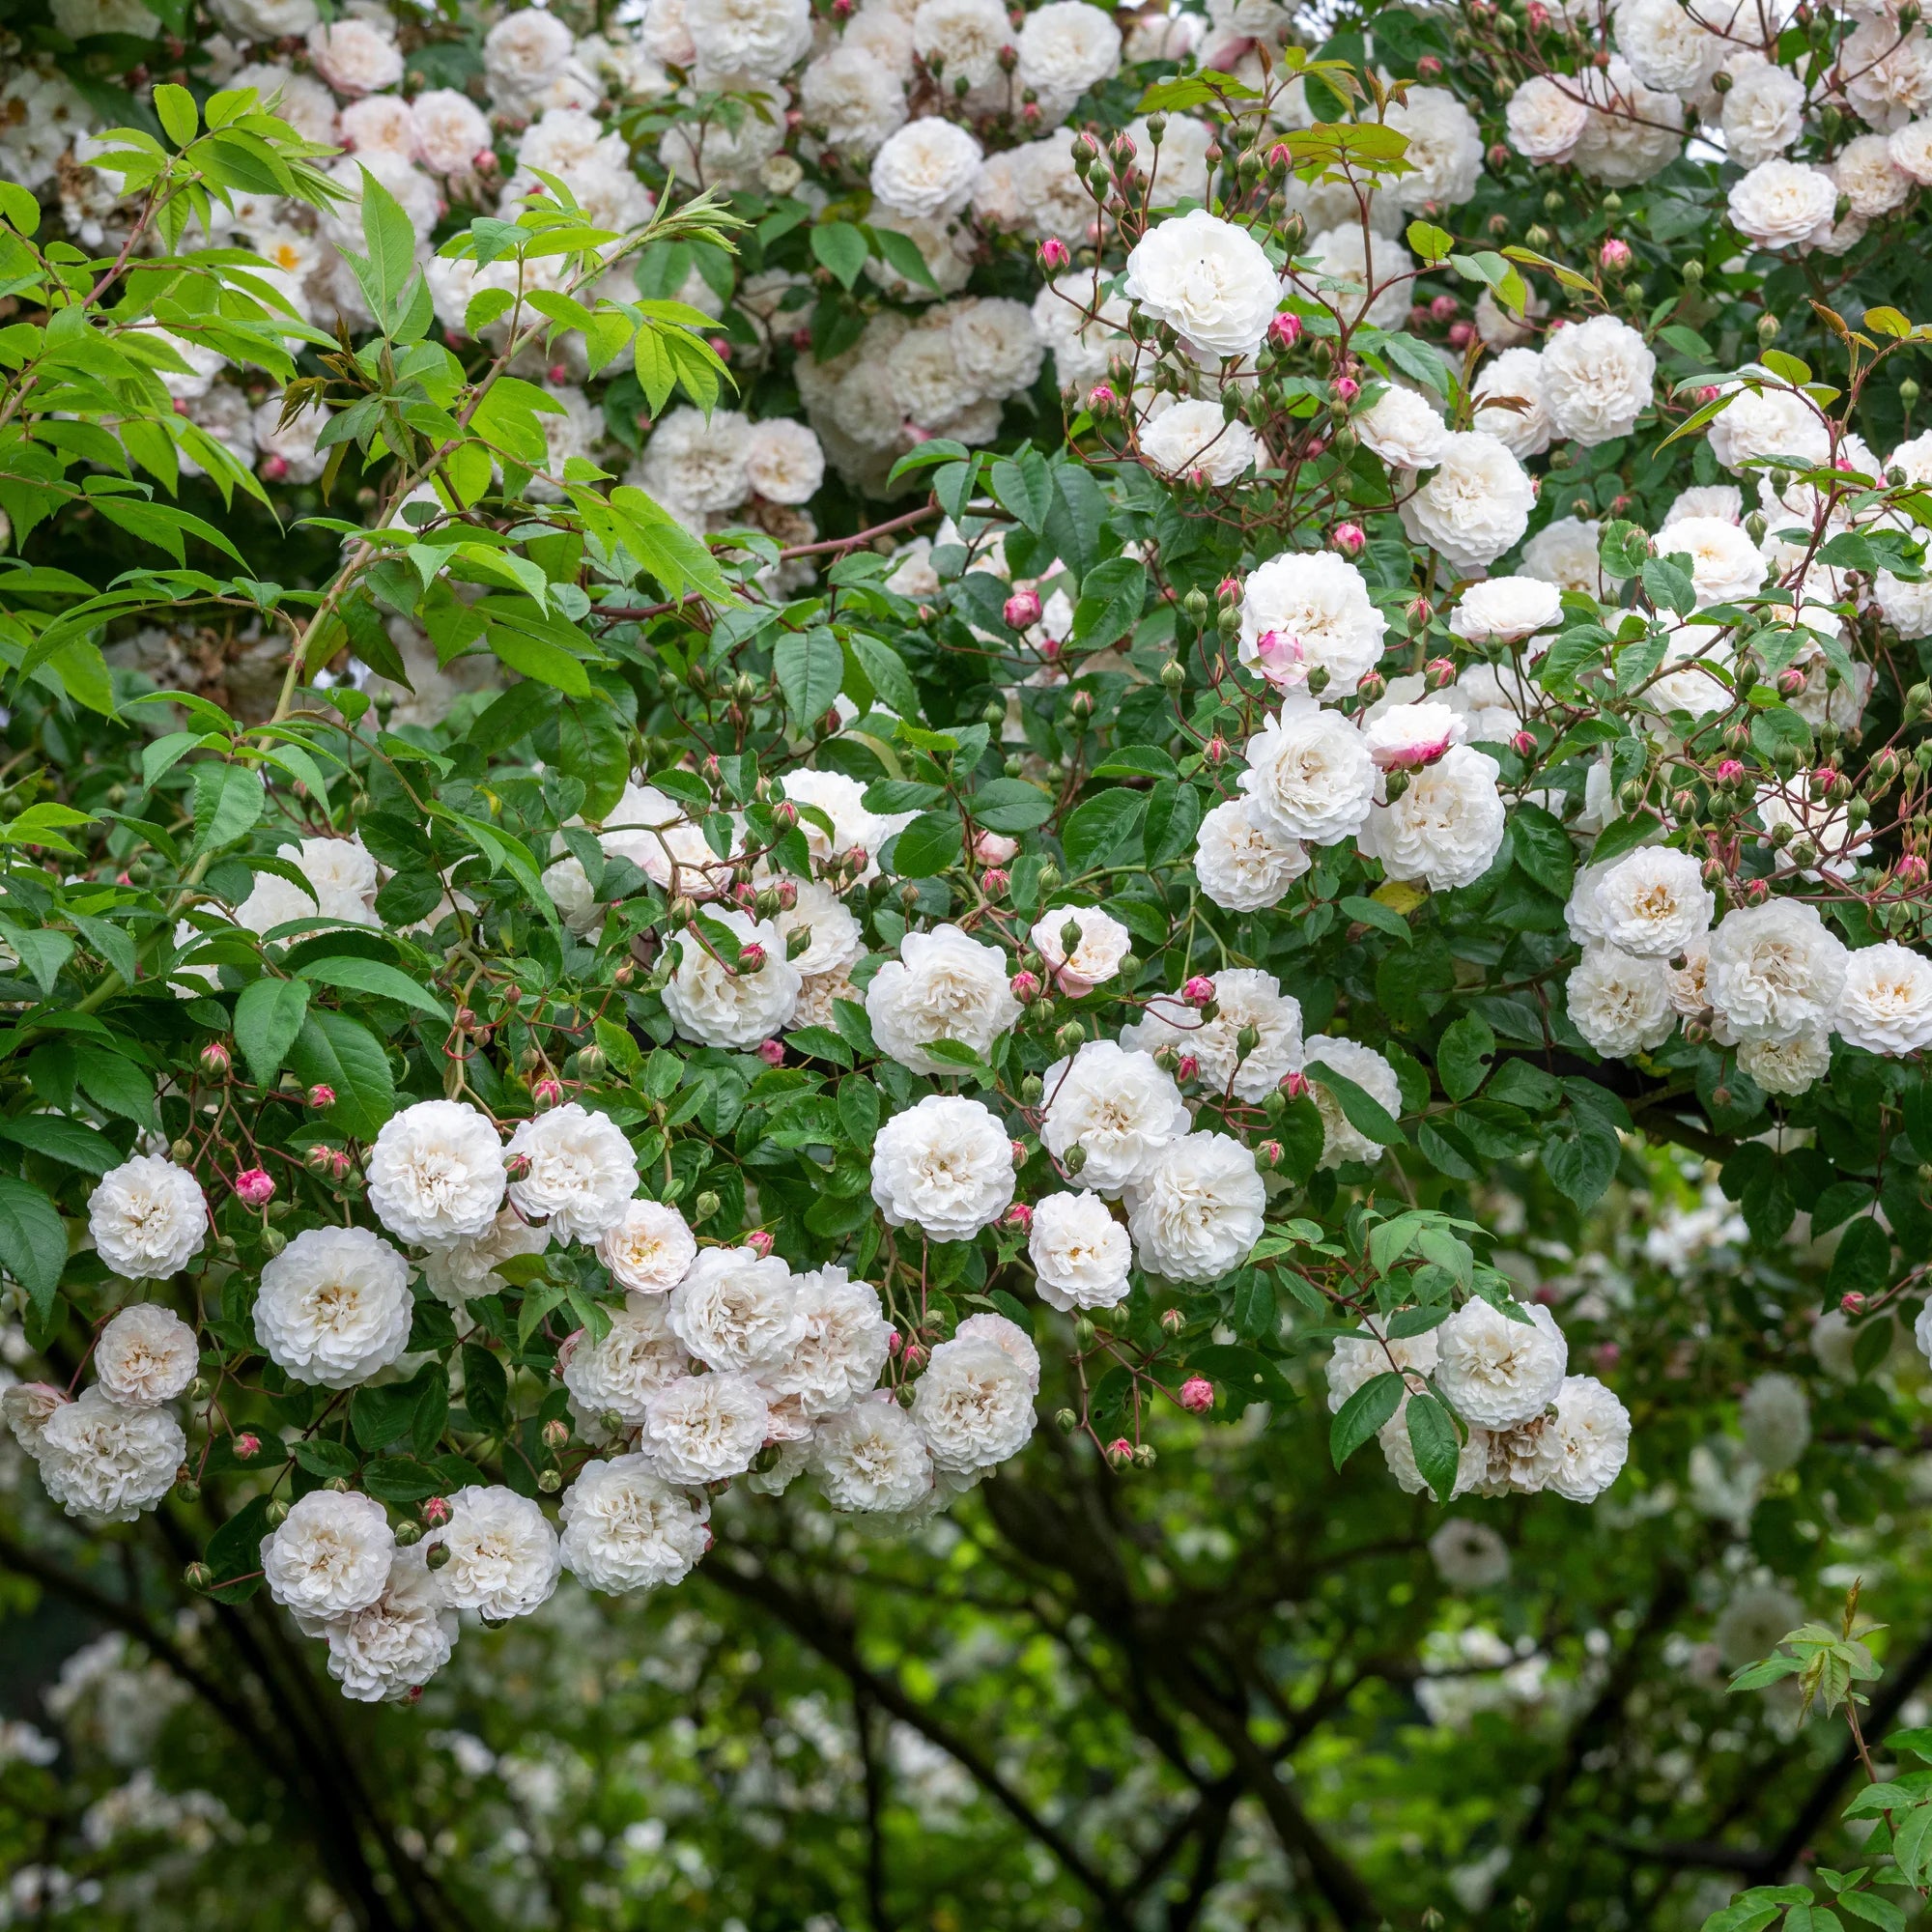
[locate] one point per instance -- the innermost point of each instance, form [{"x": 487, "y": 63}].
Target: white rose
[
  {"x": 1633, "y": 132},
  {"x": 582, "y": 1171},
  {"x": 1406, "y": 737},
  {"x": 1764, "y": 113},
  {"x": 1597, "y": 380},
  {"x": 1245, "y": 997},
  {"x": 945, "y": 1167},
  {"x": 1619, "y": 1003},
  {"x": 334, "y": 1307},
  {"x": 964, "y": 37},
  {"x": 1774, "y": 971},
  {"x": 29, "y": 1407},
  {"x": 1116, "y": 1106},
  {"x": 1100, "y": 944},
  {"x": 1209, "y": 280},
  {"x": 1357, "y": 1360},
  {"x": 619, "y": 1373},
  {"x": 1564, "y": 552},
  {"x": 1470, "y": 1555},
  {"x": 973, "y": 1407},
  {"x": 1447, "y": 826},
  {"x": 146, "y": 1355},
  {"x": 381, "y": 124},
  {"x": 1546, "y": 118},
  {"x": 842, "y": 1349},
  {"x": 1723, "y": 500},
  {"x": 1774, "y": 1417},
  {"x": 1365, "y": 281},
  {"x": 460, "y": 1271},
  {"x": 1654, "y": 902},
  {"x": 697, "y": 465},
  {"x": 1593, "y": 1439},
  {"x": 783, "y": 461},
  {"x": 855, "y": 97},
  {"x": 330, "y": 1557},
  {"x": 1065, "y": 47},
  {"x": 1475, "y": 505},
  {"x": 1405, "y": 430},
  {"x": 1791, "y": 1066},
  {"x": 650, "y": 1250},
  {"x": 943, "y": 985},
  {"x": 395, "y": 1645},
  {"x": 1244, "y": 866},
  {"x": 1368, "y": 1069},
  {"x": 625, "y": 1528},
  {"x": 761, "y": 38},
  {"x": 354, "y": 55},
  {"x": 103, "y": 1460},
  {"x": 1194, "y": 439},
  {"x": 148, "y": 1217},
  {"x": 1696, "y": 688},
  {"x": 837, "y": 939},
  {"x": 1757, "y": 423},
  {"x": 1080, "y": 1254},
  {"x": 1309, "y": 775},
  {"x": 1197, "y": 1211},
  {"x": 703, "y": 1429},
  {"x": 1513, "y": 378},
  {"x": 451, "y": 131},
  {"x": 436, "y": 1173},
  {"x": 265, "y": 19},
  {"x": 872, "y": 1458},
  {"x": 1496, "y": 1370},
  {"x": 1506, "y": 609},
  {"x": 724, "y": 1006},
  {"x": 1304, "y": 609},
  {"x": 1885, "y": 1005},
  {"x": 1783, "y": 204},
  {"x": 1666, "y": 45},
  {"x": 523, "y": 54},
  {"x": 1445, "y": 149},
  {"x": 1869, "y": 179},
  {"x": 927, "y": 169},
  {"x": 737, "y": 1310},
  {"x": 1887, "y": 75},
  {"x": 504, "y": 1559}
]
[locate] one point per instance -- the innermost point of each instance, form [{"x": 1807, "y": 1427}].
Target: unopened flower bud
[
  {"x": 1198, "y": 991},
  {"x": 1186, "y": 1068},
  {"x": 437, "y": 1557},
  {"x": 1348, "y": 539},
  {"x": 760, "y": 1241},
  {"x": 1074, "y": 1158},
  {"x": 254, "y": 1187},
  {"x": 1285, "y": 331},
  {"x": 704, "y": 1206},
  {"x": 248, "y": 1446},
  {"x": 751, "y": 959},
  {"x": 216, "y": 1061},
  {"x": 1066, "y": 1421},
  {"x": 1119, "y": 1453},
  {"x": 516, "y": 1167},
  {"x": 1054, "y": 255},
  {"x": 1614, "y": 256},
  {"x": 1197, "y": 1395},
  {"x": 198, "y": 1577}
]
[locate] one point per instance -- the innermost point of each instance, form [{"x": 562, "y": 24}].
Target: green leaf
[
  {"x": 1582, "y": 1166},
  {"x": 228, "y": 802},
  {"x": 841, "y": 247},
  {"x": 268, "y": 1016},
  {"x": 887, "y": 673},
  {"x": 485, "y": 1389},
  {"x": 859, "y": 1111},
  {"x": 1542, "y": 848},
  {"x": 1462, "y": 1054},
  {"x": 1100, "y": 824},
  {"x": 1438, "y": 1451},
  {"x": 334, "y": 1051},
  {"x": 1111, "y": 597},
  {"x": 234, "y": 1553},
  {"x": 175, "y": 106},
  {"x": 1362, "y": 1111},
  {"x": 371, "y": 976},
  {"x": 1363, "y": 1414},
  {"x": 33, "y": 1240},
  {"x": 1023, "y": 487},
  {"x": 929, "y": 846},
  {"x": 810, "y": 667},
  {"x": 68, "y": 1142},
  {"x": 1010, "y": 804}
]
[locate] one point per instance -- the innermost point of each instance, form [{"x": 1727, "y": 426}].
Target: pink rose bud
[
  {"x": 436, "y": 1511},
  {"x": 1344, "y": 389},
  {"x": 1054, "y": 255},
  {"x": 894, "y": 1342},
  {"x": 994, "y": 881},
  {"x": 1790, "y": 681},
  {"x": 1443, "y": 308},
  {"x": 1911, "y": 871},
  {"x": 1215, "y": 750},
  {"x": 751, "y": 959},
  {"x": 994, "y": 848},
  {"x": 1419, "y": 612},
  {"x": 772, "y": 1052},
  {"x": 1372, "y": 686},
  {"x": 746, "y": 895},
  {"x": 1756, "y": 891},
  {"x": 1709, "y": 393},
  {"x": 1050, "y": 649},
  {"x": 320, "y": 1159},
  {"x": 1229, "y": 590},
  {"x": 1729, "y": 770},
  {"x": 1019, "y": 1215},
  {"x": 547, "y": 1093},
  {"x": 1187, "y": 1067},
  {"x": 1119, "y": 1453},
  {"x": 255, "y": 1188},
  {"x": 1199, "y": 990},
  {"x": 914, "y": 1354},
  {"x": 1438, "y": 673},
  {"x": 248, "y": 1446},
  {"x": 1348, "y": 539},
  {"x": 559, "y": 374},
  {"x": 1019, "y": 1151},
  {"x": 787, "y": 892},
  {"x": 1025, "y": 987},
  {"x": 1268, "y": 1156},
  {"x": 1614, "y": 255},
  {"x": 274, "y": 468},
  {"x": 1539, "y": 17},
  {"x": 1022, "y": 609},
  {"x": 759, "y": 1240},
  {"x": 1294, "y": 1085},
  {"x": 1524, "y": 743},
  {"x": 784, "y": 814},
  {"x": 1100, "y": 398},
  {"x": 320, "y": 1096},
  {"x": 1285, "y": 331},
  {"x": 1461, "y": 334},
  {"x": 1429, "y": 68},
  {"x": 216, "y": 1061},
  {"x": 516, "y": 1167},
  {"x": 1197, "y": 1395},
  {"x": 1853, "y": 1303}
]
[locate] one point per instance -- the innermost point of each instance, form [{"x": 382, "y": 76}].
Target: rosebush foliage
[{"x": 742, "y": 745}]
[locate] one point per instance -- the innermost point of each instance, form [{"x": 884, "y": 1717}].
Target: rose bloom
[
  {"x": 619, "y": 1373},
  {"x": 1774, "y": 971},
  {"x": 1406, "y": 737},
  {"x": 1358, "y": 1359},
  {"x": 761, "y": 38},
  {"x": 148, "y": 1217},
  {"x": 1633, "y": 132},
  {"x": 1506, "y": 609},
  {"x": 1197, "y": 1212},
  {"x": 1116, "y": 1106},
  {"x": 1869, "y": 179},
  {"x": 873, "y": 1458},
  {"x": 625, "y": 1528},
  {"x": 737, "y": 1310},
  {"x": 1341, "y": 1140},
  {"x": 390, "y": 1648},
  {"x": 1764, "y": 111},
  {"x": 927, "y": 169},
  {"x": 1309, "y": 775},
  {"x": 1445, "y": 149},
  {"x": 1470, "y": 1555},
  {"x": 719, "y": 1005},
  {"x": 1241, "y": 865},
  {"x": 973, "y": 1407},
  {"x": 1564, "y": 552},
  {"x": 1666, "y": 45},
  {"x": 503, "y": 1560},
  {"x": 945, "y": 1166},
  {"x": 1597, "y": 380},
  {"x": 842, "y": 1350},
  {"x": 854, "y": 95},
  {"x": 1619, "y": 1003},
  {"x": 451, "y": 131},
  {"x": 146, "y": 1355},
  {"x": 1194, "y": 439},
  {"x": 1103, "y": 942},
  {"x": 1405, "y": 430},
  {"x": 1475, "y": 505},
  {"x": 1497, "y": 1370},
  {"x": 966, "y": 35},
  {"x": 436, "y": 1173},
  {"x": 1246, "y": 997},
  {"x": 582, "y": 1171},
  {"x": 1375, "y": 278},
  {"x": 943, "y": 985},
  {"x": 1546, "y": 119},
  {"x": 702, "y": 1428},
  {"x": 1783, "y": 204},
  {"x": 650, "y": 1250},
  {"x": 459, "y": 1271},
  {"x": 330, "y": 1557},
  {"x": 1080, "y": 1254},
  {"x": 1318, "y": 605},
  {"x": 1885, "y": 1005},
  {"x": 354, "y": 56},
  {"x": 100, "y": 1459},
  {"x": 523, "y": 53},
  {"x": 29, "y": 1407},
  {"x": 1791, "y": 1066},
  {"x": 1065, "y": 47},
  {"x": 1513, "y": 378},
  {"x": 334, "y": 1307},
  {"x": 1757, "y": 423},
  {"x": 1209, "y": 280},
  {"x": 1654, "y": 902},
  {"x": 1447, "y": 826}
]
